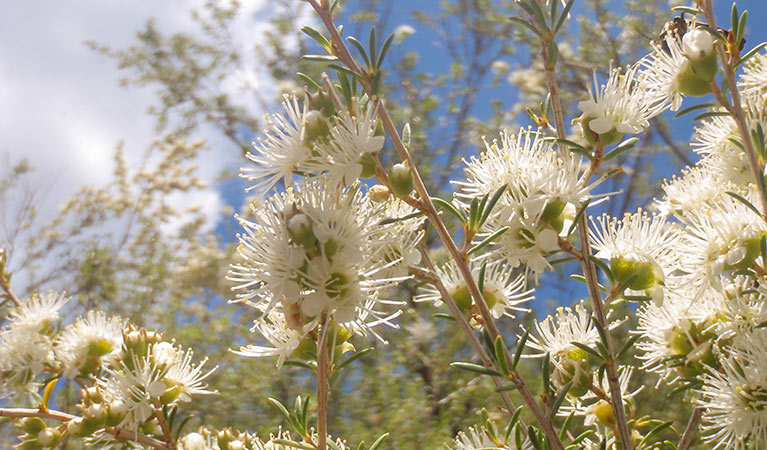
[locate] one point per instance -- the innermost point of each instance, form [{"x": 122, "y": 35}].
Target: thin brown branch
[
  {"x": 166, "y": 433},
  {"x": 323, "y": 372},
  {"x": 689, "y": 432}
]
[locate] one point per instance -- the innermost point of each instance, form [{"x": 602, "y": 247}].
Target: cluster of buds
[
  {"x": 226, "y": 439},
  {"x": 37, "y": 434}
]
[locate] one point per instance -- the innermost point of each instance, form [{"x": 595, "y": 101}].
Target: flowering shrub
[{"x": 323, "y": 250}]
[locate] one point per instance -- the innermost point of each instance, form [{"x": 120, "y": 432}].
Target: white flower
[
  {"x": 753, "y": 81},
  {"x": 331, "y": 266},
  {"x": 403, "y": 32},
  {"x": 23, "y": 356},
  {"x": 283, "y": 339},
  {"x": 698, "y": 186},
  {"x": 83, "y": 346},
  {"x": 734, "y": 400},
  {"x": 502, "y": 290},
  {"x": 541, "y": 190},
  {"x": 195, "y": 441},
  {"x": 555, "y": 334},
  {"x": 39, "y": 312},
  {"x": 185, "y": 379},
  {"x": 479, "y": 439},
  {"x": 619, "y": 106},
  {"x": 662, "y": 69},
  {"x": 283, "y": 148},
  {"x": 397, "y": 242},
  {"x": 351, "y": 139}
]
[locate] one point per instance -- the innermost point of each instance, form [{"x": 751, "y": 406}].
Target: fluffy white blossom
[
  {"x": 39, "y": 312},
  {"x": 480, "y": 439},
  {"x": 662, "y": 70},
  {"x": 753, "y": 81},
  {"x": 82, "y": 346}
]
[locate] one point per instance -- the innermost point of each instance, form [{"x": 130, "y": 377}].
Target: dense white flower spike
[
  {"x": 349, "y": 147},
  {"x": 282, "y": 150},
  {"x": 639, "y": 247},
  {"x": 617, "y": 108},
  {"x": 503, "y": 290},
  {"x": 542, "y": 193},
  {"x": 313, "y": 253},
  {"x": 83, "y": 346},
  {"x": 734, "y": 400}
]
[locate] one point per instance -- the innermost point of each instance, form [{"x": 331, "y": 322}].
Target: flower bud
[
  {"x": 194, "y": 441},
  {"x": 300, "y": 230},
  {"x": 697, "y": 45},
  {"x": 164, "y": 354},
  {"x": 401, "y": 180},
  {"x": 33, "y": 425},
  {"x": 688, "y": 82},
  {"x": 116, "y": 412},
  {"x": 315, "y": 127},
  {"x": 29, "y": 444},
  {"x": 643, "y": 274},
  {"x": 94, "y": 394},
  {"x": 48, "y": 437},
  {"x": 604, "y": 413},
  {"x": 225, "y": 437},
  {"x": 379, "y": 193},
  {"x": 322, "y": 102},
  {"x": 236, "y": 445}
]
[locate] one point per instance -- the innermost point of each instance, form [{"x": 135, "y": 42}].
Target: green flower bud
[
  {"x": 322, "y": 102},
  {"x": 368, "y": 163},
  {"x": 462, "y": 298},
  {"x": 29, "y": 444},
  {"x": 690, "y": 83},
  {"x": 116, "y": 412},
  {"x": 379, "y": 193},
  {"x": 48, "y": 437},
  {"x": 315, "y": 128},
  {"x": 646, "y": 273},
  {"x": 604, "y": 413},
  {"x": 300, "y": 230},
  {"x": 33, "y": 425},
  {"x": 401, "y": 180}
]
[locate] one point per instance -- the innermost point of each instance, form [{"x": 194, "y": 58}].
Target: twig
[
  {"x": 342, "y": 52},
  {"x": 322, "y": 389},
  {"x": 589, "y": 271},
  {"x": 118, "y": 433},
  {"x": 4, "y": 283},
  {"x": 736, "y": 109},
  {"x": 689, "y": 432},
  {"x": 158, "y": 414}
]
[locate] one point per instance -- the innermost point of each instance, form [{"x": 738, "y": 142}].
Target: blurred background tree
[{"x": 459, "y": 70}]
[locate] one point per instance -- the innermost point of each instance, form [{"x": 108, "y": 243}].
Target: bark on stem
[
  {"x": 323, "y": 368},
  {"x": 689, "y": 432}
]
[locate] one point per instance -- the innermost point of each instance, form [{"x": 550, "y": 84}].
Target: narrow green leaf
[
  {"x": 688, "y": 10},
  {"x": 470, "y": 367},
  {"x": 564, "y": 15},
  {"x": 734, "y": 17},
  {"x": 520, "y": 350},
  {"x": 533, "y": 436},
  {"x": 406, "y": 135},
  {"x": 745, "y": 202},
  {"x": 604, "y": 267},
  {"x": 629, "y": 344},
  {"x": 527, "y": 25},
  {"x": 449, "y": 207},
  {"x": 491, "y": 204},
  {"x": 321, "y": 58},
  {"x": 312, "y": 84},
  {"x": 473, "y": 214},
  {"x": 293, "y": 444},
  {"x": 506, "y": 387},
  {"x": 708, "y": 114},
  {"x": 357, "y": 355},
  {"x": 379, "y": 441},
  {"x": 587, "y": 349},
  {"x": 568, "y": 420},
  {"x": 346, "y": 70},
  {"x": 488, "y": 240},
  {"x": 602, "y": 332},
  {"x": 360, "y": 48},
  {"x": 372, "y": 46},
  {"x": 559, "y": 399},
  {"x": 481, "y": 280},
  {"x": 539, "y": 15},
  {"x": 284, "y": 411},
  {"x": 692, "y": 108},
  {"x": 443, "y": 316},
  {"x": 577, "y": 218},
  {"x": 546, "y": 373},
  {"x": 317, "y": 36},
  {"x": 652, "y": 433},
  {"x": 384, "y": 50},
  {"x": 750, "y": 54},
  {"x": 500, "y": 354},
  {"x": 741, "y": 26},
  {"x": 623, "y": 147}
]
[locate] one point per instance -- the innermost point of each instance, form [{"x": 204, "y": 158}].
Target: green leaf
[
  {"x": 546, "y": 373},
  {"x": 623, "y": 147},
  {"x": 379, "y": 441},
  {"x": 559, "y": 399},
  {"x": 322, "y": 58},
  {"x": 372, "y": 46},
  {"x": 500, "y": 354},
  {"x": 473, "y": 214},
  {"x": 692, "y": 108},
  {"x": 745, "y": 202},
  {"x": 354, "y": 357},
  {"x": 629, "y": 344},
  {"x": 563, "y": 17},
  {"x": 655, "y": 431},
  {"x": 527, "y": 25},
  {"x": 443, "y": 316},
  {"x": 687, "y": 9},
  {"x": 708, "y": 114},
  {"x": 470, "y": 367},
  {"x": 346, "y": 70},
  {"x": 384, "y": 50},
  {"x": 317, "y": 36},
  {"x": 449, "y": 207},
  {"x": 587, "y": 349},
  {"x": 481, "y": 278},
  {"x": 741, "y": 26},
  {"x": 734, "y": 17},
  {"x": 506, "y": 387},
  {"x": 312, "y": 84},
  {"x": 520, "y": 349},
  {"x": 577, "y": 218},
  {"x": 282, "y": 409},
  {"x": 360, "y": 48},
  {"x": 488, "y": 240},
  {"x": 750, "y": 54},
  {"x": 604, "y": 267},
  {"x": 294, "y": 444}
]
